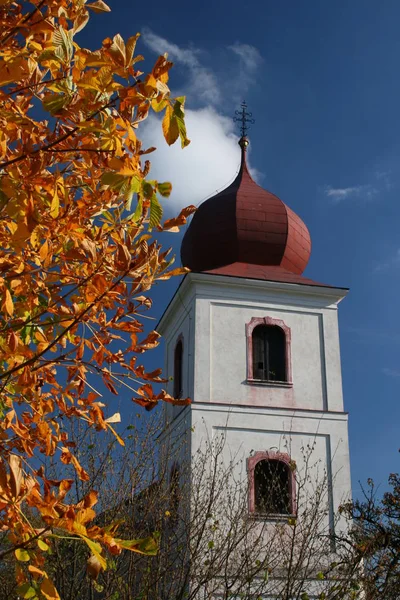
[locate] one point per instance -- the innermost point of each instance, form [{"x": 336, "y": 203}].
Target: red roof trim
[{"x": 263, "y": 273}]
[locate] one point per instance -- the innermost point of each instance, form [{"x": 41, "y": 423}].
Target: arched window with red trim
[
  {"x": 272, "y": 486},
  {"x": 268, "y": 351}
]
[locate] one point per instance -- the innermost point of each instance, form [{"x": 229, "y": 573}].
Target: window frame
[
  {"x": 284, "y": 458},
  {"x": 269, "y": 322}
]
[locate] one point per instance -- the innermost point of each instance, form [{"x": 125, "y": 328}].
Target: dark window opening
[
  {"x": 178, "y": 358},
  {"x": 272, "y": 487},
  {"x": 269, "y": 353}
]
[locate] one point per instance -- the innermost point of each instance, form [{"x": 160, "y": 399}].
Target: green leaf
[
  {"x": 96, "y": 551},
  {"x": 48, "y": 54},
  {"x": 210, "y": 545},
  {"x": 22, "y": 555},
  {"x": 138, "y": 211},
  {"x": 147, "y": 189},
  {"x": 26, "y": 591},
  {"x": 156, "y": 212},
  {"x": 133, "y": 188},
  {"x": 320, "y": 576},
  {"x": 42, "y": 545},
  {"x": 53, "y": 103},
  {"x": 157, "y": 105},
  {"x": 99, "y": 588},
  {"x": 148, "y": 546},
  {"x": 180, "y": 120},
  {"x": 114, "y": 180},
  {"x": 165, "y": 189}
]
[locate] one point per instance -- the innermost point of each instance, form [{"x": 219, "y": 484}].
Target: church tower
[{"x": 255, "y": 344}]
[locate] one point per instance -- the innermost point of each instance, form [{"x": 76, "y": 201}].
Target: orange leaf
[
  {"x": 36, "y": 572},
  {"x": 48, "y": 590}
]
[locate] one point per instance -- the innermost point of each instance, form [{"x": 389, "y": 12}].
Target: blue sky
[{"x": 322, "y": 80}]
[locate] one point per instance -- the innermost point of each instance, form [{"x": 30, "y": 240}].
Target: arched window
[
  {"x": 178, "y": 360},
  {"x": 271, "y": 487},
  {"x": 268, "y": 351},
  {"x": 271, "y": 484},
  {"x": 269, "y": 356}
]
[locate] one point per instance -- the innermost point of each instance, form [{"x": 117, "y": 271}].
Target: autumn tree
[
  {"x": 210, "y": 545},
  {"x": 77, "y": 258},
  {"x": 375, "y": 537}
]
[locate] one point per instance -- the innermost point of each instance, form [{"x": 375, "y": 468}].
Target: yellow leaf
[
  {"x": 81, "y": 21},
  {"x": 96, "y": 550},
  {"x": 170, "y": 127},
  {"x": 44, "y": 250},
  {"x": 117, "y": 49},
  {"x": 55, "y": 205},
  {"x": 22, "y": 555},
  {"x": 8, "y": 303},
  {"x": 35, "y": 237},
  {"x": 48, "y": 590},
  {"x": 130, "y": 48},
  {"x": 118, "y": 438},
  {"x": 42, "y": 545}
]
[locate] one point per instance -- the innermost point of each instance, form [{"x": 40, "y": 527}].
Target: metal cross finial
[{"x": 243, "y": 117}]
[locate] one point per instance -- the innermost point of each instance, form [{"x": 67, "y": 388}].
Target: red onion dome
[{"x": 245, "y": 224}]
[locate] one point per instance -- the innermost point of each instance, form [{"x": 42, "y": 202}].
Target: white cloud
[
  {"x": 361, "y": 192},
  {"x": 380, "y": 183},
  {"x": 391, "y": 372},
  {"x": 203, "y": 83},
  {"x": 249, "y": 55},
  {"x": 207, "y": 165},
  {"x": 392, "y": 262},
  {"x": 249, "y": 61},
  {"x": 212, "y": 159},
  {"x": 384, "y": 177},
  {"x": 206, "y": 85}
]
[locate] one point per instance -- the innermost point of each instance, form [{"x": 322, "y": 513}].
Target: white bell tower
[{"x": 255, "y": 345}]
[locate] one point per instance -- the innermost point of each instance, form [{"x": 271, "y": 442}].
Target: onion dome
[{"x": 246, "y": 231}]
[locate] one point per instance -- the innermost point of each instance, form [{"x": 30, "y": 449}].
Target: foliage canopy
[{"x": 77, "y": 257}]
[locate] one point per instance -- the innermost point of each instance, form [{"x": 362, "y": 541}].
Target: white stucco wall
[
  {"x": 222, "y": 311},
  {"x": 322, "y": 437},
  {"x": 211, "y": 313}
]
